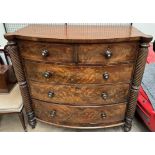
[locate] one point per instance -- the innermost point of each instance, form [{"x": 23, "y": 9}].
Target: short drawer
[
  {"x": 78, "y": 116},
  {"x": 107, "y": 53},
  {"x": 80, "y": 94},
  {"x": 63, "y": 74},
  {"x": 48, "y": 52}
]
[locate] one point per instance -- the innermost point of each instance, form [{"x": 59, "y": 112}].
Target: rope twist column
[
  {"x": 136, "y": 82},
  {"x": 12, "y": 49}
]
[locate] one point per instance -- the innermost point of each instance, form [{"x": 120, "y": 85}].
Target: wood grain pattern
[
  {"x": 76, "y": 95},
  {"x": 94, "y": 53},
  {"x": 77, "y": 116},
  {"x": 80, "y": 94},
  {"x": 79, "y": 34},
  {"x": 57, "y": 52},
  {"x": 86, "y": 53},
  {"x": 63, "y": 74}
]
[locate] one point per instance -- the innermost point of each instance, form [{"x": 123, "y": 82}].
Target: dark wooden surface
[
  {"x": 79, "y": 34},
  {"x": 78, "y": 116},
  {"x": 4, "y": 79},
  {"x": 7, "y": 78}
]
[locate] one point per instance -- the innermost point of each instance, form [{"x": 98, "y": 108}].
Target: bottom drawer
[{"x": 80, "y": 116}]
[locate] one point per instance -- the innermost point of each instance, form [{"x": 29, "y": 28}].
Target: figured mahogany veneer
[
  {"x": 80, "y": 94},
  {"x": 63, "y": 74},
  {"x": 78, "y": 116},
  {"x": 56, "y": 52},
  {"x": 79, "y": 77},
  {"x": 85, "y": 53},
  {"x": 96, "y": 53}
]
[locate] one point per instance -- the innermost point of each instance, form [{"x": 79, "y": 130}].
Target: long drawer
[
  {"x": 64, "y": 74},
  {"x": 80, "y": 94},
  {"x": 77, "y": 116},
  {"x": 81, "y": 53}
]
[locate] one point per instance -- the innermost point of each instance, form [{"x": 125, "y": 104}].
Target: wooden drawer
[
  {"x": 48, "y": 52},
  {"x": 77, "y": 116},
  {"x": 107, "y": 53},
  {"x": 80, "y": 94},
  {"x": 63, "y": 74}
]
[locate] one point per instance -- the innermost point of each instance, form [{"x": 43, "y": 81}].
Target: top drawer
[
  {"x": 39, "y": 51},
  {"x": 103, "y": 54},
  {"x": 107, "y": 53}
]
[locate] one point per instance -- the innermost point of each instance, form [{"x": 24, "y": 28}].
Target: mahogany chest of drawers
[{"x": 79, "y": 77}]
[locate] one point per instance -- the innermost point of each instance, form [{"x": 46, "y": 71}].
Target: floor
[{"x": 11, "y": 123}]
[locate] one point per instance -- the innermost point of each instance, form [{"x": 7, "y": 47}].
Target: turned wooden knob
[
  {"x": 53, "y": 113},
  {"x": 45, "y": 53},
  {"x": 108, "y": 54},
  {"x": 47, "y": 74},
  {"x": 104, "y": 96},
  {"x": 106, "y": 76},
  {"x": 103, "y": 115},
  {"x": 50, "y": 94}
]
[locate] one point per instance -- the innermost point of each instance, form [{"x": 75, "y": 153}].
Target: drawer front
[
  {"x": 47, "y": 52},
  {"x": 80, "y": 94},
  {"x": 76, "y": 116},
  {"x": 78, "y": 74},
  {"x": 107, "y": 53}
]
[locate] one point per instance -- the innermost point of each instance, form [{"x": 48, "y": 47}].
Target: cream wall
[
  {"x": 2, "y": 41},
  {"x": 146, "y": 28},
  {"x": 2, "y": 32}
]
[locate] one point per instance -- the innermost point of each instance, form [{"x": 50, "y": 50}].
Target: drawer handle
[
  {"x": 108, "y": 54},
  {"x": 53, "y": 113},
  {"x": 103, "y": 115},
  {"x": 47, "y": 74},
  {"x": 45, "y": 53},
  {"x": 106, "y": 76},
  {"x": 104, "y": 96},
  {"x": 50, "y": 94}
]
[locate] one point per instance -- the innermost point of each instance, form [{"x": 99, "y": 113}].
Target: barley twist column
[
  {"x": 12, "y": 49},
  {"x": 136, "y": 82}
]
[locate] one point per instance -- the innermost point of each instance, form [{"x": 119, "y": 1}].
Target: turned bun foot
[
  {"x": 126, "y": 129},
  {"x": 33, "y": 124},
  {"x": 127, "y": 126},
  {"x": 31, "y": 119}
]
